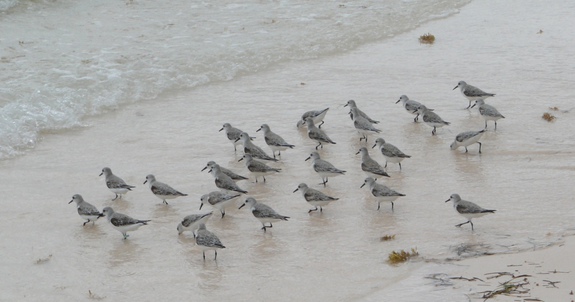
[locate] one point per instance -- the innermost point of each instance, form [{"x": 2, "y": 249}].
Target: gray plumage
[
  {"x": 467, "y": 209},
  {"x": 324, "y": 168},
  {"x": 192, "y": 222},
  {"x": 369, "y": 165},
  {"x": 410, "y": 106},
  {"x": 390, "y": 152},
  {"x": 253, "y": 150},
  {"x": 317, "y": 134},
  {"x": 274, "y": 141},
  {"x": 123, "y": 223},
  {"x": 381, "y": 192},
  {"x": 223, "y": 181},
  {"x": 218, "y": 200},
  {"x": 263, "y": 213},
  {"x": 362, "y": 125},
  {"x": 117, "y": 185},
  {"x": 472, "y": 93},
  {"x": 467, "y": 138},
  {"x": 207, "y": 240},
  {"x": 316, "y": 115},
  {"x": 162, "y": 190},
  {"x": 352, "y": 104},
  {"x": 232, "y": 134},
  {"x": 232, "y": 175},
  {"x": 86, "y": 210},
  {"x": 488, "y": 112},
  {"x": 431, "y": 118},
  {"x": 257, "y": 167},
  {"x": 314, "y": 197}
]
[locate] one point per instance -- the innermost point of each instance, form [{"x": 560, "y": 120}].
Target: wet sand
[{"x": 524, "y": 173}]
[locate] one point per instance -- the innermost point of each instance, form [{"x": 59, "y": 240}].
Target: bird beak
[
  {"x": 101, "y": 174},
  {"x": 243, "y": 204},
  {"x": 374, "y": 146},
  {"x": 221, "y": 130},
  {"x": 357, "y": 152},
  {"x": 259, "y": 129},
  {"x": 307, "y": 158},
  {"x": 448, "y": 200},
  {"x": 204, "y": 168},
  {"x": 240, "y": 159},
  {"x": 455, "y": 87},
  {"x": 73, "y": 200},
  {"x": 201, "y": 205},
  {"x": 210, "y": 171},
  {"x": 345, "y": 105},
  {"x": 398, "y": 101},
  {"x": 237, "y": 139},
  {"x": 145, "y": 181},
  {"x": 362, "y": 185},
  {"x": 474, "y": 104},
  {"x": 293, "y": 190}
]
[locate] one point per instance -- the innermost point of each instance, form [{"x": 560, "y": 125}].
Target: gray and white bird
[
  {"x": 410, "y": 106},
  {"x": 117, "y": 185},
  {"x": 162, "y": 190},
  {"x": 263, "y": 213},
  {"x": 362, "y": 125},
  {"x": 369, "y": 165},
  {"x": 232, "y": 134},
  {"x": 467, "y": 209},
  {"x": 218, "y": 200},
  {"x": 316, "y": 115},
  {"x": 228, "y": 172},
  {"x": 274, "y": 141},
  {"x": 192, "y": 222},
  {"x": 472, "y": 93},
  {"x": 253, "y": 150},
  {"x": 467, "y": 138},
  {"x": 391, "y": 153},
  {"x": 223, "y": 181},
  {"x": 207, "y": 240},
  {"x": 317, "y": 134},
  {"x": 324, "y": 168},
  {"x": 381, "y": 192},
  {"x": 314, "y": 197},
  {"x": 352, "y": 104},
  {"x": 257, "y": 167},
  {"x": 86, "y": 210},
  {"x": 488, "y": 112},
  {"x": 123, "y": 223},
  {"x": 431, "y": 118}
]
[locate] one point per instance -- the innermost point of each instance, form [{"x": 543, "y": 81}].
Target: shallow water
[{"x": 523, "y": 173}]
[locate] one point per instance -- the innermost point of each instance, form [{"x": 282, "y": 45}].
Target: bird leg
[
  {"x": 392, "y": 206},
  {"x": 459, "y": 225},
  {"x": 479, "y": 147},
  {"x": 165, "y": 201},
  {"x": 319, "y": 126},
  {"x": 311, "y": 210}
]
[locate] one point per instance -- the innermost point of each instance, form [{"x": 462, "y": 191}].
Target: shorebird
[
  {"x": 314, "y": 197},
  {"x": 162, "y": 190},
  {"x": 381, "y": 192},
  {"x": 274, "y": 141},
  {"x": 324, "y": 168},
  {"x": 263, "y": 213},
  {"x": 207, "y": 240},
  {"x": 117, "y": 185},
  {"x": 472, "y": 93},
  {"x": 86, "y": 210},
  {"x": 123, "y": 223},
  {"x": 488, "y": 112},
  {"x": 467, "y": 138},
  {"x": 257, "y": 167},
  {"x": 391, "y": 153},
  {"x": 467, "y": 209}
]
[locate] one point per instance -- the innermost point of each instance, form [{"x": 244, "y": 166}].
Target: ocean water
[
  {"x": 524, "y": 172},
  {"x": 63, "y": 61}
]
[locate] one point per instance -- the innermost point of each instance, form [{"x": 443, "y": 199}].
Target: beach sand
[{"x": 525, "y": 173}]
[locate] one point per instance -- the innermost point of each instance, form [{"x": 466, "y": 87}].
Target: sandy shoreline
[
  {"x": 541, "y": 275},
  {"x": 524, "y": 173}
]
